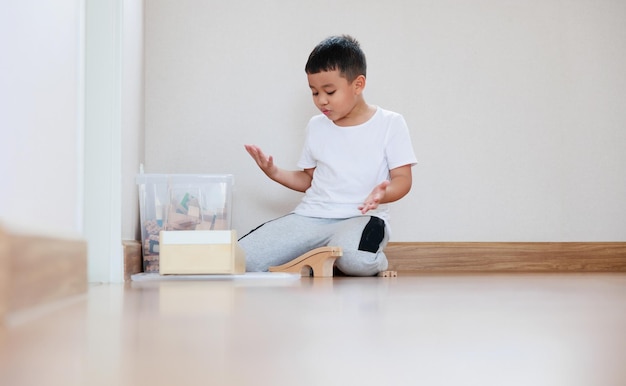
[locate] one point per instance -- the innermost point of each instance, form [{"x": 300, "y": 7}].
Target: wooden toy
[
  {"x": 180, "y": 221},
  {"x": 388, "y": 274},
  {"x": 319, "y": 260},
  {"x": 152, "y": 228},
  {"x": 200, "y": 252}
]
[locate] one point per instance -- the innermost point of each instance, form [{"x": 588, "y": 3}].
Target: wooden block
[
  {"x": 193, "y": 211},
  {"x": 388, "y": 274},
  {"x": 200, "y": 252},
  {"x": 319, "y": 260},
  {"x": 179, "y": 221},
  {"x": 132, "y": 258}
]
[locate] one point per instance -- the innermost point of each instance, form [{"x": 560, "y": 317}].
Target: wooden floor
[{"x": 429, "y": 329}]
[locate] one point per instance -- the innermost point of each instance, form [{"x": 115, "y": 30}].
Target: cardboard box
[{"x": 201, "y": 252}]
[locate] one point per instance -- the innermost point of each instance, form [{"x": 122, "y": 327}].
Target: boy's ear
[{"x": 359, "y": 83}]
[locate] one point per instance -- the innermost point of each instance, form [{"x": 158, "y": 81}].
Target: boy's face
[{"x": 334, "y": 95}]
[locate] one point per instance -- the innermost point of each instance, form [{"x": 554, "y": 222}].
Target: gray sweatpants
[{"x": 279, "y": 241}]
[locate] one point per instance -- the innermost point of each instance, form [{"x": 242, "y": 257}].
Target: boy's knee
[
  {"x": 367, "y": 258},
  {"x": 360, "y": 263},
  {"x": 373, "y": 235}
]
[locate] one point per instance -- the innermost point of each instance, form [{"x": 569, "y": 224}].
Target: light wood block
[
  {"x": 200, "y": 252},
  {"x": 132, "y": 258},
  {"x": 388, "y": 274},
  {"x": 319, "y": 260}
]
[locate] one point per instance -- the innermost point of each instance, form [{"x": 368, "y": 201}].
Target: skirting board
[
  {"x": 4, "y": 274},
  {"x": 36, "y": 270},
  {"x": 507, "y": 256},
  {"x": 481, "y": 257}
]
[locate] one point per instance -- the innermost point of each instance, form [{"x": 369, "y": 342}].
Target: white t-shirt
[{"x": 350, "y": 161}]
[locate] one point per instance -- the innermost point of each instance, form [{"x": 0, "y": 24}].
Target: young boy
[{"x": 356, "y": 158}]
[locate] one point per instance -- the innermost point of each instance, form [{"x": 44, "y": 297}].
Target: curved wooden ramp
[{"x": 320, "y": 261}]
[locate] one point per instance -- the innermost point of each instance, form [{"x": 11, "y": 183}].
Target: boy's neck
[{"x": 361, "y": 113}]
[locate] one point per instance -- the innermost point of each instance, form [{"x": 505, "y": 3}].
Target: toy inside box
[{"x": 181, "y": 202}]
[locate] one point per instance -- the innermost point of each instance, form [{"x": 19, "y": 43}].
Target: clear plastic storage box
[{"x": 181, "y": 202}]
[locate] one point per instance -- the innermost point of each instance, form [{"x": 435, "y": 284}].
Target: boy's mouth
[{"x": 325, "y": 112}]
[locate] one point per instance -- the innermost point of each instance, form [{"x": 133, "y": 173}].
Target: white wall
[
  {"x": 71, "y": 119},
  {"x": 132, "y": 114},
  {"x": 516, "y": 110},
  {"x": 41, "y": 117},
  {"x": 103, "y": 138},
  {"x": 113, "y": 131}
]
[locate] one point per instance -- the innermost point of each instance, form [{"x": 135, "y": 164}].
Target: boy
[{"x": 356, "y": 158}]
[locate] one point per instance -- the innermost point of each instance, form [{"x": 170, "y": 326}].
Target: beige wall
[{"x": 516, "y": 110}]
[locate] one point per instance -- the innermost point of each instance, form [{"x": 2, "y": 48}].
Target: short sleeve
[
  {"x": 307, "y": 161},
  {"x": 399, "y": 147}
]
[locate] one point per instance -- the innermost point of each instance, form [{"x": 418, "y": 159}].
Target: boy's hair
[{"x": 341, "y": 53}]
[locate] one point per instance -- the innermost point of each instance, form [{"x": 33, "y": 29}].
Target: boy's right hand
[{"x": 266, "y": 163}]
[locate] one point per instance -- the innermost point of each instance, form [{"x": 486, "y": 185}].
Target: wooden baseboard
[
  {"x": 133, "y": 259},
  {"x": 478, "y": 257},
  {"x": 507, "y": 257},
  {"x": 38, "y": 270},
  {"x": 4, "y": 274}
]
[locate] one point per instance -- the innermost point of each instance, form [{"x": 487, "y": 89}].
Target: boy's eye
[{"x": 315, "y": 93}]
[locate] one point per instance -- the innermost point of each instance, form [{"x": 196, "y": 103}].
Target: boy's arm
[
  {"x": 399, "y": 185},
  {"x": 298, "y": 180}
]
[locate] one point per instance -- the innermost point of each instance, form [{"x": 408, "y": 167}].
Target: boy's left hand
[{"x": 374, "y": 199}]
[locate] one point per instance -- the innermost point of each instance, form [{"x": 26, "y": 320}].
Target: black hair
[{"x": 341, "y": 53}]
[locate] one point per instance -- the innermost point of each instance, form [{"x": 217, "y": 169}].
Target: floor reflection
[{"x": 428, "y": 329}]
